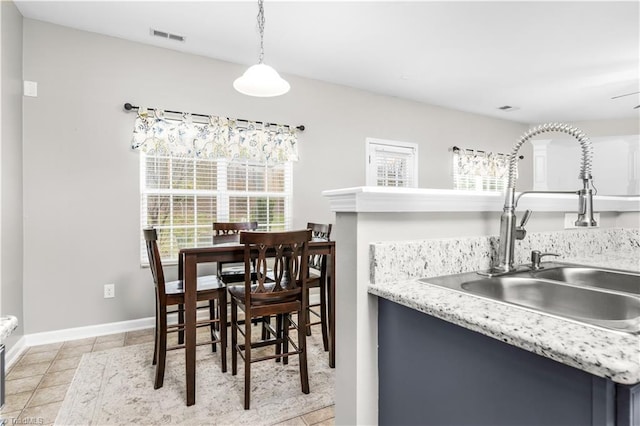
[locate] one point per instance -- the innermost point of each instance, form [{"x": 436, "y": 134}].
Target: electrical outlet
[
  {"x": 31, "y": 89},
  {"x": 109, "y": 291}
]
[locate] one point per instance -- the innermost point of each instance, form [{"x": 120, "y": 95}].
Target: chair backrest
[
  {"x": 319, "y": 231},
  {"x": 225, "y": 239},
  {"x": 224, "y": 228},
  {"x": 288, "y": 252},
  {"x": 228, "y": 232},
  {"x": 155, "y": 263}
]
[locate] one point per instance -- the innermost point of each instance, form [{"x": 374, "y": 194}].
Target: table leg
[
  {"x": 190, "y": 289},
  {"x": 331, "y": 284}
]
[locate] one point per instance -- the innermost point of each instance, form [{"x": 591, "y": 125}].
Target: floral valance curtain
[
  {"x": 216, "y": 137},
  {"x": 478, "y": 163}
]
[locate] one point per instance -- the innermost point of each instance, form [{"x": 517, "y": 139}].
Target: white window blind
[
  {"x": 392, "y": 163},
  {"x": 182, "y": 197}
]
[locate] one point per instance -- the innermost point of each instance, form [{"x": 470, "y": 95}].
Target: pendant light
[{"x": 261, "y": 80}]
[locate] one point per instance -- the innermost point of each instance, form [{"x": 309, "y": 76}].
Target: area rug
[{"x": 115, "y": 387}]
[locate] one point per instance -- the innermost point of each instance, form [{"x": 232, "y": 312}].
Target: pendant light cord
[
  {"x": 261, "y": 29},
  {"x": 261, "y": 80}
]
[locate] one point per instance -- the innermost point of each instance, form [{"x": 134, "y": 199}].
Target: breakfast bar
[
  {"x": 395, "y": 238},
  {"x": 477, "y": 355}
]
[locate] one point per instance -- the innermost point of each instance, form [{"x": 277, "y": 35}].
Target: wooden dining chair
[
  {"x": 258, "y": 297},
  {"x": 225, "y": 233},
  {"x": 209, "y": 288},
  {"x": 318, "y": 279},
  {"x": 233, "y": 272}
]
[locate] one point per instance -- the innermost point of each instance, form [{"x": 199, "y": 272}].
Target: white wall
[
  {"x": 81, "y": 180},
  {"x": 615, "y": 167},
  {"x": 11, "y": 247}
]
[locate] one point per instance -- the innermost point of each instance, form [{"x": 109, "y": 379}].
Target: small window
[{"x": 392, "y": 163}]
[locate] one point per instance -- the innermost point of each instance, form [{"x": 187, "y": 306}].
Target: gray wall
[
  {"x": 620, "y": 127},
  {"x": 11, "y": 254},
  {"x": 81, "y": 180}
]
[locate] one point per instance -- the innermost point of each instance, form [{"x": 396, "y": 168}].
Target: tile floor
[{"x": 37, "y": 383}]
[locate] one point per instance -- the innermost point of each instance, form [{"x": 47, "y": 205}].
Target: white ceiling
[{"x": 553, "y": 61}]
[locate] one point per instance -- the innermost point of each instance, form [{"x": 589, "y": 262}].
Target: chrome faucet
[{"x": 508, "y": 230}]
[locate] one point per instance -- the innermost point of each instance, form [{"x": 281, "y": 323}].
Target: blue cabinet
[{"x": 432, "y": 372}]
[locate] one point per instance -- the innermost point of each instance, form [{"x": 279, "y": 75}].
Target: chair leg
[
  {"x": 234, "y": 337},
  {"x": 222, "y": 312},
  {"x": 302, "y": 345},
  {"x": 285, "y": 336},
  {"x": 279, "y": 335},
  {"x": 323, "y": 317},
  {"x": 212, "y": 326},
  {"x": 162, "y": 348},
  {"x": 307, "y": 325},
  {"x": 155, "y": 337},
  {"x": 181, "y": 321},
  {"x": 265, "y": 332},
  {"x": 247, "y": 359}
]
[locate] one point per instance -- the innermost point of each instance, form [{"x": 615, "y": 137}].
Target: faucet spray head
[{"x": 585, "y": 206}]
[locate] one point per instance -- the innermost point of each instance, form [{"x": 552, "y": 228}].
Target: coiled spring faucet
[{"x": 508, "y": 230}]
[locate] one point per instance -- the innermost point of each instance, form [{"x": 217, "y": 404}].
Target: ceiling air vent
[{"x": 164, "y": 34}]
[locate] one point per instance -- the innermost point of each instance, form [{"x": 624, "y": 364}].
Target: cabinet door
[
  {"x": 628, "y": 405},
  {"x": 433, "y": 372}
]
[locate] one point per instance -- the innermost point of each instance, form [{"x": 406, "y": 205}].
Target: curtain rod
[
  {"x": 130, "y": 107},
  {"x": 455, "y": 148}
]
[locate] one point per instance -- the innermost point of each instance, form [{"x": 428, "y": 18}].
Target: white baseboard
[
  {"x": 12, "y": 355},
  {"x": 56, "y": 336},
  {"x": 76, "y": 333}
]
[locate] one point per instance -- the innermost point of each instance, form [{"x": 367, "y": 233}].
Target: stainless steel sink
[
  {"x": 592, "y": 305},
  {"x": 624, "y": 281},
  {"x": 558, "y": 299}
]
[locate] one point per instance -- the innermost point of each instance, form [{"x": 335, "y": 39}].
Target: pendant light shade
[{"x": 261, "y": 80}]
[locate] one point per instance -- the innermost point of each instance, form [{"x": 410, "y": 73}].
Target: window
[
  {"x": 392, "y": 163},
  {"x": 182, "y": 197},
  {"x": 479, "y": 170}
]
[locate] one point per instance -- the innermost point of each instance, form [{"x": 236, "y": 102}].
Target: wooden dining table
[{"x": 189, "y": 258}]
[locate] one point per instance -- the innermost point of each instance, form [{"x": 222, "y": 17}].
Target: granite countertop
[
  {"x": 601, "y": 352},
  {"x": 7, "y": 325}
]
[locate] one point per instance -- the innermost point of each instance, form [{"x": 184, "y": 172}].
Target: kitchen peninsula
[{"x": 425, "y": 233}]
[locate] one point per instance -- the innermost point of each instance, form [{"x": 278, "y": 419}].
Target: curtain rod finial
[{"x": 128, "y": 106}]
